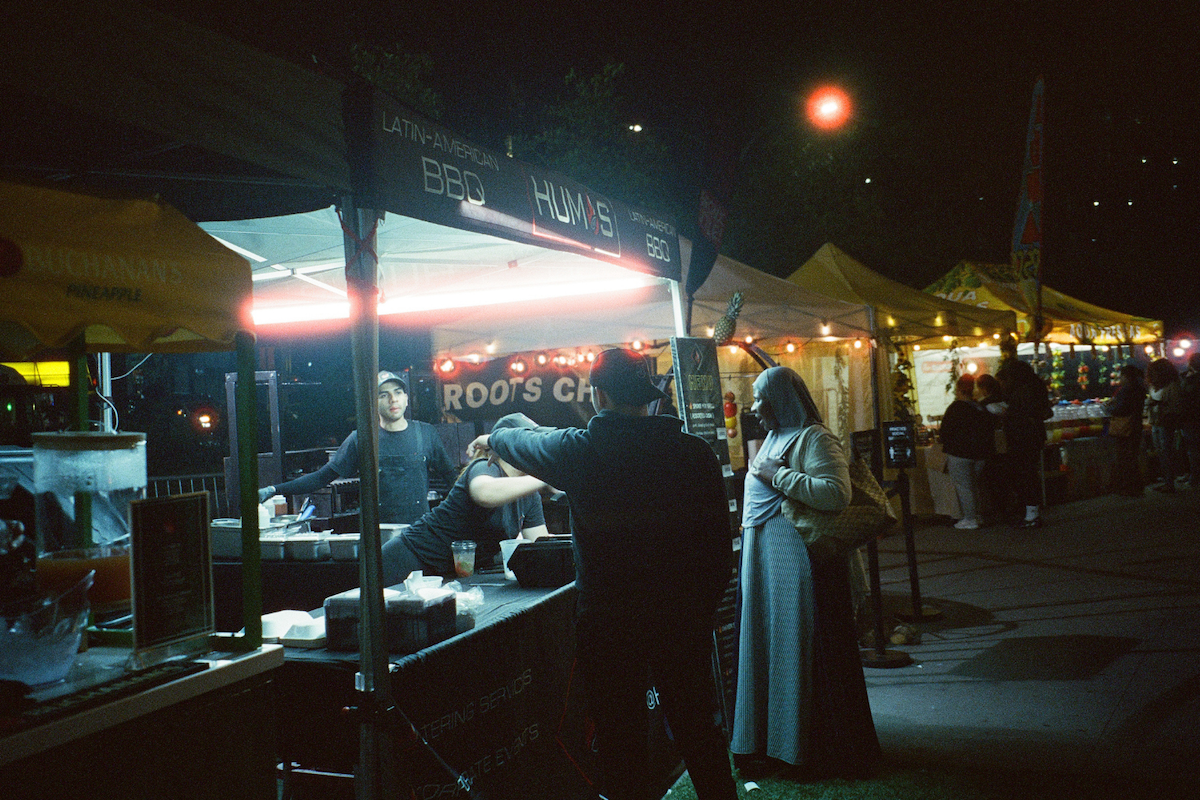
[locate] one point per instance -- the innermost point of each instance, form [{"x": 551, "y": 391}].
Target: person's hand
[
  {"x": 479, "y": 448},
  {"x": 765, "y": 468},
  {"x": 266, "y": 493}
]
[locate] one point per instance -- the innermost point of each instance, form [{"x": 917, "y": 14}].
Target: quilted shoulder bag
[{"x": 866, "y": 518}]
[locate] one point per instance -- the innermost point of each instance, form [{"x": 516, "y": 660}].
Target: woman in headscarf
[{"x": 801, "y": 695}]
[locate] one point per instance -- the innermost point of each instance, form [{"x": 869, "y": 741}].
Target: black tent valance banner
[{"x": 407, "y": 164}]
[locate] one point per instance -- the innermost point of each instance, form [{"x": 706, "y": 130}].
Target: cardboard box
[{"x": 412, "y": 620}]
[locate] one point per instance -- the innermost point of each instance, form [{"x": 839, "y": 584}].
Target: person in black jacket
[
  {"x": 966, "y": 436},
  {"x": 1024, "y": 429},
  {"x": 653, "y": 557},
  {"x": 1127, "y": 407},
  {"x": 1189, "y": 386}
]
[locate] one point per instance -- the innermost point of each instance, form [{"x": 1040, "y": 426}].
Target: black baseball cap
[
  {"x": 390, "y": 377},
  {"x": 625, "y": 376}
]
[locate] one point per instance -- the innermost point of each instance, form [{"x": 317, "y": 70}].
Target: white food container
[
  {"x": 306, "y": 547},
  {"x": 389, "y": 530},
  {"x": 344, "y": 546}
]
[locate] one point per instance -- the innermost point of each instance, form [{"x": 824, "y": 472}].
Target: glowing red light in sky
[{"x": 828, "y": 108}]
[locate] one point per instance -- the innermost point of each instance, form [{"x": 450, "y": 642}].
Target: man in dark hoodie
[{"x": 652, "y": 557}]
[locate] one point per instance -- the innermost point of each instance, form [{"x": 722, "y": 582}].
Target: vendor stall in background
[
  {"x": 905, "y": 321},
  {"x": 1083, "y": 347}
]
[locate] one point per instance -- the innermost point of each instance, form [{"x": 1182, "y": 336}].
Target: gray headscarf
[{"x": 787, "y": 395}]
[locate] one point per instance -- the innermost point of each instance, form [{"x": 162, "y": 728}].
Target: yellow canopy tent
[
  {"x": 1065, "y": 319},
  {"x": 128, "y": 275}
]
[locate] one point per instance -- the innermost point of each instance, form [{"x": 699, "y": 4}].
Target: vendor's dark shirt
[
  {"x": 405, "y": 460},
  {"x": 459, "y": 517}
]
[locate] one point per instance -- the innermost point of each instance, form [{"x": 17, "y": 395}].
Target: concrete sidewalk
[{"x": 1073, "y": 648}]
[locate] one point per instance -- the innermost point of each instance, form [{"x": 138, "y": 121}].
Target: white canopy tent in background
[{"x": 827, "y": 341}]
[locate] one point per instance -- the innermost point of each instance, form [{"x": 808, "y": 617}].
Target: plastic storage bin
[{"x": 545, "y": 563}]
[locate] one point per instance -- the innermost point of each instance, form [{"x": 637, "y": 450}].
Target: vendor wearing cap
[
  {"x": 653, "y": 557},
  {"x": 409, "y": 451}
]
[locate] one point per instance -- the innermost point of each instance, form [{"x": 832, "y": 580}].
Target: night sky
[{"x": 1122, "y": 215}]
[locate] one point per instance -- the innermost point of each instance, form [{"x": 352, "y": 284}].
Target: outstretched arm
[{"x": 490, "y": 491}]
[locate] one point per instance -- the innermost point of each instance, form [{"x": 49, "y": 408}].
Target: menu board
[
  {"x": 701, "y": 406},
  {"x": 172, "y": 570}
]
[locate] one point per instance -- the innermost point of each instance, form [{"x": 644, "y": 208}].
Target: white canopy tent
[{"x": 476, "y": 292}]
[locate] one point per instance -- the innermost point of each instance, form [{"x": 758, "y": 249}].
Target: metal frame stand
[{"x": 916, "y": 611}]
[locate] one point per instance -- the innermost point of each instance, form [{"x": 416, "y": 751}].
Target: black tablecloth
[{"x": 496, "y": 703}]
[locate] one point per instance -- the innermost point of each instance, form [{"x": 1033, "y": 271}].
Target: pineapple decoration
[{"x": 723, "y": 330}]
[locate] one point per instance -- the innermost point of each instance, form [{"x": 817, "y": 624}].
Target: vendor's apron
[{"x": 404, "y": 485}]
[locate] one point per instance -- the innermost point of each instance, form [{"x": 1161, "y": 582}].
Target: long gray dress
[{"x": 773, "y": 704}]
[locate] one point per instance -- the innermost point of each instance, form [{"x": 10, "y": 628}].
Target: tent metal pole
[
  {"x": 244, "y": 399},
  {"x": 104, "y": 375},
  {"x": 375, "y": 775},
  {"x": 681, "y": 327}
]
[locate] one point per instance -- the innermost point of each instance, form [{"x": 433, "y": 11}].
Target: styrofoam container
[
  {"x": 344, "y": 546},
  {"x": 389, "y": 530}
]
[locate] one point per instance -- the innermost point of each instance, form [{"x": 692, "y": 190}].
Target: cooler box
[
  {"x": 412, "y": 621},
  {"x": 546, "y": 563}
]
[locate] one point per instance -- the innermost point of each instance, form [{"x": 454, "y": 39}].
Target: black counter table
[{"x": 496, "y": 702}]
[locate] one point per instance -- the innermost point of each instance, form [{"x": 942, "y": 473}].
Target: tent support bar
[
  {"x": 681, "y": 328},
  {"x": 376, "y": 774},
  {"x": 247, "y": 457}
]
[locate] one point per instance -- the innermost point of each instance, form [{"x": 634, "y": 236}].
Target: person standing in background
[
  {"x": 1125, "y": 410},
  {"x": 409, "y": 451},
  {"x": 993, "y": 481},
  {"x": 967, "y": 435},
  {"x": 1024, "y": 430},
  {"x": 1189, "y": 387},
  {"x": 1164, "y": 408}
]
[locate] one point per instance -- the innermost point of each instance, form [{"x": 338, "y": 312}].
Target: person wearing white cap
[
  {"x": 653, "y": 557},
  {"x": 409, "y": 452}
]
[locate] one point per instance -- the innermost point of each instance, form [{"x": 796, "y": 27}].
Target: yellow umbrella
[{"x": 127, "y": 275}]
